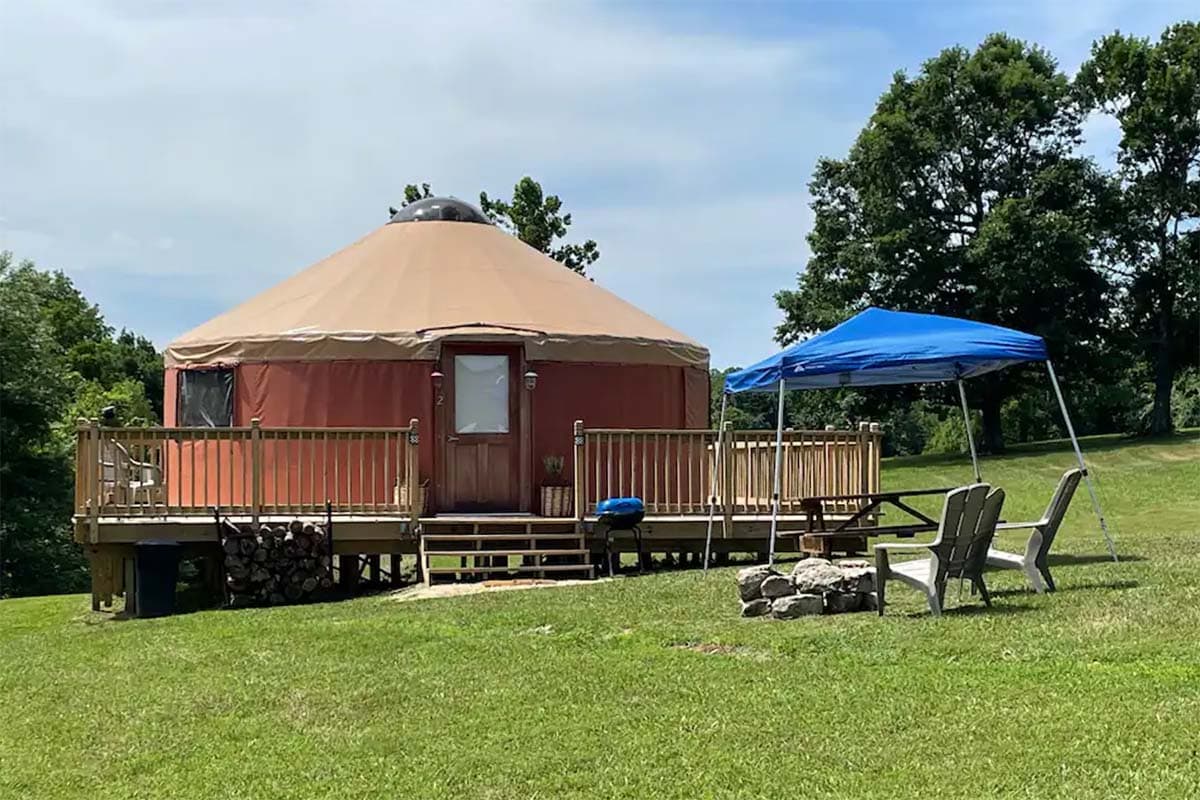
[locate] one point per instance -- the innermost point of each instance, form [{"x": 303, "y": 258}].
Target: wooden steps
[
  {"x": 503, "y": 537},
  {"x": 506, "y": 552},
  {"x": 493, "y": 571},
  {"x": 498, "y": 553}
]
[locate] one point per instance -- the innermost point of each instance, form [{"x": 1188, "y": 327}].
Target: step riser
[
  {"x": 505, "y": 553},
  {"x": 520, "y": 554},
  {"x": 516, "y": 537},
  {"x": 495, "y": 570}
]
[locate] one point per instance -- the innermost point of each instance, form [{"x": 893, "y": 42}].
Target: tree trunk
[
  {"x": 1164, "y": 375},
  {"x": 993, "y": 435},
  {"x": 1164, "y": 324}
]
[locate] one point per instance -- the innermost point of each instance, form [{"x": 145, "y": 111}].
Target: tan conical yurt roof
[{"x": 400, "y": 291}]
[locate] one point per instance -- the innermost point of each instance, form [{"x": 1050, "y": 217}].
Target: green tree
[
  {"x": 1153, "y": 91},
  {"x": 537, "y": 220},
  {"x": 59, "y": 360},
  {"x": 36, "y": 551},
  {"x": 961, "y": 196},
  {"x": 533, "y": 217},
  {"x": 89, "y": 349},
  {"x": 413, "y": 193},
  {"x": 127, "y": 399}
]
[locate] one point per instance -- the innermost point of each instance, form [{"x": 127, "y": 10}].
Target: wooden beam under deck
[
  {"x": 114, "y": 537},
  {"x": 384, "y": 534}
]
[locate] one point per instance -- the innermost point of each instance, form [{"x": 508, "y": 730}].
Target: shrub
[
  {"x": 949, "y": 435},
  {"x": 1185, "y": 399}
]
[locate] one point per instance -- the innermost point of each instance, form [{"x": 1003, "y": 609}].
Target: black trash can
[{"x": 157, "y": 573}]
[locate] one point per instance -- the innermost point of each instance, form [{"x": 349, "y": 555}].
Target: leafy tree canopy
[
  {"x": 1153, "y": 91},
  {"x": 533, "y": 217},
  {"x": 961, "y": 196},
  {"x": 59, "y": 360}
]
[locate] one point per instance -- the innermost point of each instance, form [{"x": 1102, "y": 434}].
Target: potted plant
[
  {"x": 556, "y": 491},
  {"x": 401, "y": 495}
]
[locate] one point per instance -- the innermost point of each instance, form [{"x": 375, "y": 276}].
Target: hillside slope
[{"x": 651, "y": 687}]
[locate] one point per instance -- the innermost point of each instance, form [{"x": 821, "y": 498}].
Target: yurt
[{"x": 443, "y": 317}]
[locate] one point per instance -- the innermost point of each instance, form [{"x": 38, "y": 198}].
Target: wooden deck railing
[
  {"x": 257, "y": 471},
  {"x": 672, "y": 470},
  {"x": 129, "y": 472}
]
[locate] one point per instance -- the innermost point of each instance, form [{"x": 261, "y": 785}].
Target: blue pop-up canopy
[{"x": 879, "y": 347}]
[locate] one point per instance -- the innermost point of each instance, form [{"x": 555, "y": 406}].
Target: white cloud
[
  {"x": 264, "y": 140},
  {"x": 711, "y": 266},
  {"x": 177, "y": 157}
]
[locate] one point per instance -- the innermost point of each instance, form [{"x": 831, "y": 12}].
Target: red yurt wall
[
  {"x": 613, "y": 396},
  {"x": 390, "y": 393}
]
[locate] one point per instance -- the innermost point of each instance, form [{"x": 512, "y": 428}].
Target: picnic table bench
[{"x": 850, "y": 535}]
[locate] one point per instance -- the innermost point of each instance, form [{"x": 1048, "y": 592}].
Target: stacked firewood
[{"x": 276, "y": 563}]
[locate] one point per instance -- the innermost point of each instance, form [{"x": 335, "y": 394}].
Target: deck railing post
[
  {"x": 81, "y": 466},
  {"x": 255, "y": 470},
  {"x": 578, "y": 478},
  {"x": 412, "y": 467},
  {"x": 95, "y": 488},
  {"x": 727, "y": 489},
  {"x": 864, "y": 474},
  {"x": 876, "y": 450}
]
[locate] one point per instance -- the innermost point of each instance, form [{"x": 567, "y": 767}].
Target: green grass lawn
[{"x": 608, "y": 690}]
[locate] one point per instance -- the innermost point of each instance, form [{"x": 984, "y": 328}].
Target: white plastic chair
[
  {"x": 1033, "y": 561},
  {"x": 124, "y": 479},
  {"x": 964, "y": 534}
]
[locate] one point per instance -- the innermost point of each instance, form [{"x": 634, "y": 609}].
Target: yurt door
[{"x": 479, "y": 424}]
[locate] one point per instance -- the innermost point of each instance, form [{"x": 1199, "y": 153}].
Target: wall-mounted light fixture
[{"x": 531, "y": 379}]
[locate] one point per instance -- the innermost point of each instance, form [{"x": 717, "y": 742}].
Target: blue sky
[{"x": 177, "y": 157}]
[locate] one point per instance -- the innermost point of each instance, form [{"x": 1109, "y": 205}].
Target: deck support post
[
  {"x": 101, "y": 568},
  {"x": 1087, "y": 479},
  {"x": 349, "y": 569},
  {"x": 422, "y": 568}
]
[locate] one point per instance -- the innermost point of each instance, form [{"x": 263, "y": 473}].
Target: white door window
[{"x": 481, "y": 394}]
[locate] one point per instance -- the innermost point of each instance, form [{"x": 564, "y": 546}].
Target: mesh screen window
[{"x": 206, "y": 398}]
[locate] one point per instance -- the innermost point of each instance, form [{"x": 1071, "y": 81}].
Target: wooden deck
[
  {"x": 447, "y": 547},
  {"x": 363, "y": 534},
  {"x": 134, "y": 484}
]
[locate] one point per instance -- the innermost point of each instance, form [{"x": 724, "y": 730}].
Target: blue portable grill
[{"x": 621, "y": 514}]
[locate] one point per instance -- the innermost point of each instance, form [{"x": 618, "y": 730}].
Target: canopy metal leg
[
  {"x": 712, "y": 497},
  {"x": 778, "y": 476},
  {"x": 1062, "y": 404},
  {"x": 962, "y": 395}
]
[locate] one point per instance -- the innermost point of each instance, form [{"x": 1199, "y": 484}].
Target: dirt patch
[
  {"x": 713, "y": 649},
  {"x": 422, "y": 592}
]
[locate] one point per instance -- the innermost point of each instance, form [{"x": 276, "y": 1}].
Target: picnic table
[{"x": 850, "y": 535}]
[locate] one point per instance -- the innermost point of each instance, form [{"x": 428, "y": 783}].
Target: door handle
[{"x": 451, "y": 438}]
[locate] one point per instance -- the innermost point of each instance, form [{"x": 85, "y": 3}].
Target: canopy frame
[
  {"x": 936, "y": 352},
  {"x": 712, "y": 496},
  {"x": 962, "y": 395}
]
